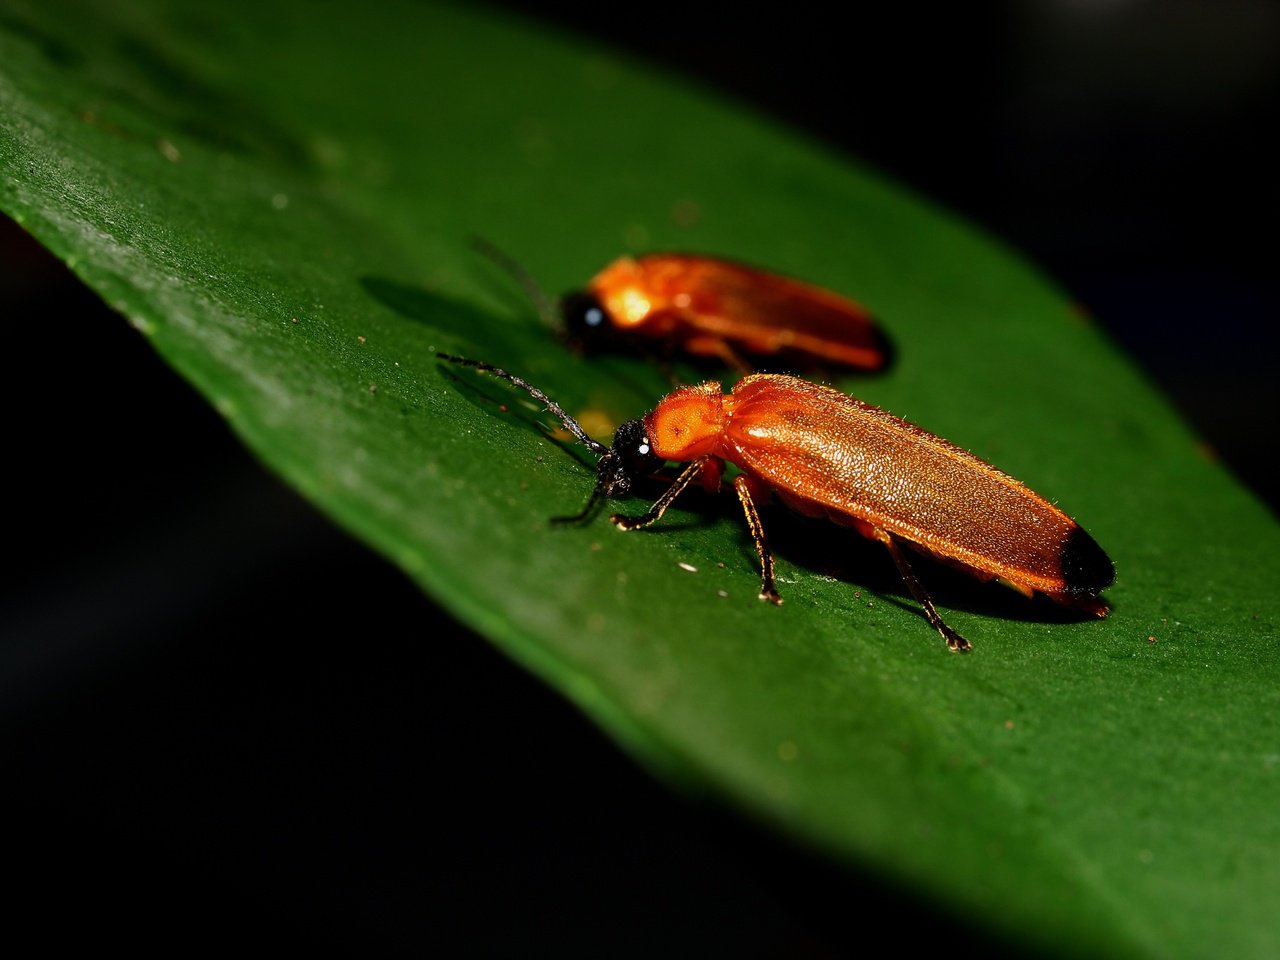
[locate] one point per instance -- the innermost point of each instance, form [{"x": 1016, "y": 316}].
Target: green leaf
[{"x": 281, "y": 201}]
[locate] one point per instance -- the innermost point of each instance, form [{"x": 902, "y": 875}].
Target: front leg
[
  {"x": 654, "y": 513},
  {"x": 712, "y": 346}
]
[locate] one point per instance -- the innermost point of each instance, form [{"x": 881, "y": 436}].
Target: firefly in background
[{"x": 671, "y": 303}]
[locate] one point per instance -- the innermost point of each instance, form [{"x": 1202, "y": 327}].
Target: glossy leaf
[{"x": 282, "y": 202}]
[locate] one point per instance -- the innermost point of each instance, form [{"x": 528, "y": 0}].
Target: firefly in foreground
[{"x": 826, "y": 454}]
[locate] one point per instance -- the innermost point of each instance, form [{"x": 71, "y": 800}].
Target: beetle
[
  {"x": 709, "y": 307},
  {"x": 826, "y": 454}
]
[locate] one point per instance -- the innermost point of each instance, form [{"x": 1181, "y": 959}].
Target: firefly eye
[{"x": 584, "y": 317}]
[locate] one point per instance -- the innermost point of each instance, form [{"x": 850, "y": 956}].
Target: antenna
[
  {"x": 570, "y": 424},
  {"x": 546, "y": 310}
]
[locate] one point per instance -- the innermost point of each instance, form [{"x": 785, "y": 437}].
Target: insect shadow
[
  {"x": 863, "y": 566},
  {"x": 499, "y": 336},
  {"x": 442, "y": 313},
  {"x": 498, "y": 404}
]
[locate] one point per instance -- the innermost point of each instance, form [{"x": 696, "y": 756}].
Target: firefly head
[
  {"x": 586, "y": 322},
  {"x": 630, "y": 457}
]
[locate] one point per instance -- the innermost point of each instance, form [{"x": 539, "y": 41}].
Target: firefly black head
[
  {"x": 620, "y": 466},
  {"x": 586, "y": 322},
  {"x": 630, "y": 458}
]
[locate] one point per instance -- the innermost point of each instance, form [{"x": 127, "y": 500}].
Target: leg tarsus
[
  {"x": 734, "y": 359},
  {"x": 955, "y": 642}
]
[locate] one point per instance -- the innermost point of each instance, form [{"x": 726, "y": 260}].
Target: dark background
[{"x": 204, "y": 743}]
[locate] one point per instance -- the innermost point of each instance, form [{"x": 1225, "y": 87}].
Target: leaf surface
[{"x": 282, "y": 202}]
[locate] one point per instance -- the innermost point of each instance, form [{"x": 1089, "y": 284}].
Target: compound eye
[
  {"x": 584, "y": 315},
  {"x": 644, "y": 458}
]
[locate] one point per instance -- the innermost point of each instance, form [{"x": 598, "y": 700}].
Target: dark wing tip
[
  {"x": 882, "y": 344},
  {"x": 1085, "y": 566}
]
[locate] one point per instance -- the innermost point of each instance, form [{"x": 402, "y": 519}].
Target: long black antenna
[
  {"x": 546, "y": 310},
  {"x": 570, "y": 424}
]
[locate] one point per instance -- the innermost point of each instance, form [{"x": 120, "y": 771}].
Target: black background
[{"x": 219, "y": 722}]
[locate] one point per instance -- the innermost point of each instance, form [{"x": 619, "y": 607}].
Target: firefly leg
[
  {"x": 734, "y": 359},
  {"x": 660, "y": 505},
  {"x": 716, "y": 347},
  {"x": 743, "y": 486},
  {"x": 954, "y": 640}
]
